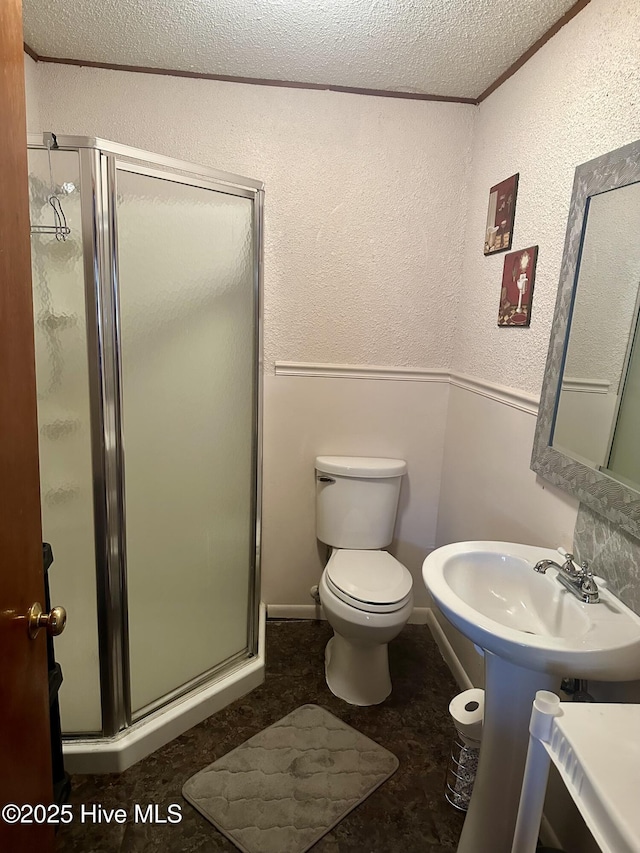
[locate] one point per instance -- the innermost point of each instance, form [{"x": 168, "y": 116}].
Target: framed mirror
[{"x": 587, "y": 438}]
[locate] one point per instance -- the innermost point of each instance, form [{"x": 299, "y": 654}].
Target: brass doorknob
[{"x": 54, "y": 621}]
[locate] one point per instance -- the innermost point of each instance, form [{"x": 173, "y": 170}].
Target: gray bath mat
[{"x": 282, "y": 790}]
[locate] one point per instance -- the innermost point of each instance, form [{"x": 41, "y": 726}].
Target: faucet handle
[
  {"x": 569, "y": 566},
  {"x": 588, "y": 585}
]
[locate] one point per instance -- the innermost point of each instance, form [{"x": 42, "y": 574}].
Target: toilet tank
[{"x": 357, "y": 500}]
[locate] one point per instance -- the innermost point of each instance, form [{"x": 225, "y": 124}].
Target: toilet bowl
[
  {"x": 367, "y": 598},
  {"x": 366, "y": 593}
]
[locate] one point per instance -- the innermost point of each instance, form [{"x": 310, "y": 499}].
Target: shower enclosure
[{"x": 148, "y": 340}]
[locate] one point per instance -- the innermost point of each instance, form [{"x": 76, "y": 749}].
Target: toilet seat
[{"x": 372, "y": 581}]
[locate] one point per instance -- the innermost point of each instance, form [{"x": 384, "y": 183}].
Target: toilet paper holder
[{"x": 467, "y": 712}]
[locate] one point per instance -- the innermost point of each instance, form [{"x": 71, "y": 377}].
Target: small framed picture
[
  {"x": 500, "y": 216},
  {"x": 518, "y": 278}
]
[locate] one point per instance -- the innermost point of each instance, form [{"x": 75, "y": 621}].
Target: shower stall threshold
[{"x": 113, "y": 755}]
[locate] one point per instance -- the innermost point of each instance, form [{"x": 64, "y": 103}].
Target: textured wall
[
  {"x": 364, "y": 222},
  {"x": 575, "y": 99}
]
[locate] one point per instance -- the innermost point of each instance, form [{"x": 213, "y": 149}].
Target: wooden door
[{"x": 25, "y": 773}]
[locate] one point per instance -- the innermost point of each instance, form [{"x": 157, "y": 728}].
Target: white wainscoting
[
  {"x": 467, "y": 443},
  {"x": 585, "y": 418},
  {"x": 325, "y": 413},
  {"x": 488, "y": 489}
]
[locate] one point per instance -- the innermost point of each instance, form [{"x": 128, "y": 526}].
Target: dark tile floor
[{"x": 408, "y": 813}]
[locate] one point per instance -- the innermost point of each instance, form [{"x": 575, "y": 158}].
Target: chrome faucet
[{"x": 580, "y": 581}]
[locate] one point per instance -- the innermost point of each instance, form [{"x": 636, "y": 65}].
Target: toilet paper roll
[{"x": 467, "y": 710}]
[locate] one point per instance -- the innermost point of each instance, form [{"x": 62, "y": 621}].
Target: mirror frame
[{"x": 599, "y": 491}]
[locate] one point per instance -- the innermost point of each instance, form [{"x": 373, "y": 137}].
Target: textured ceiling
[{"x": 455, "y": 48}]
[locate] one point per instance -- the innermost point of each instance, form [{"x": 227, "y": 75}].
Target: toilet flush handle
[{"x": 322, "y": 478}]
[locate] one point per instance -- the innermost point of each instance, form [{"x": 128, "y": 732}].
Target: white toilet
[{"x": 366, "y": 593}]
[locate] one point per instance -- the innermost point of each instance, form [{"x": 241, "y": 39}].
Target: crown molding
[
  {"x": 535, "y": 47},
  {"x": 251, "y": 81},
  {"x": 30, "y": 52},
  {"x": 325, "y": 87}
]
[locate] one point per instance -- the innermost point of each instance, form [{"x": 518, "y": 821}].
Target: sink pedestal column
[{"x": 509, "y": 694}]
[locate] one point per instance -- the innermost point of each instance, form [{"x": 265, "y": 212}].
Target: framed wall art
[
  {"x": 500, "y": 216},
  {"x": 518, "y": 278}
]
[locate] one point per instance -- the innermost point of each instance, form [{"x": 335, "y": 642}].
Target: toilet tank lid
[{"x": 361, "y": 466}]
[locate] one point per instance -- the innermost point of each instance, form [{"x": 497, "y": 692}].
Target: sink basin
[
  {"x": 533, "y": 632},
  {"x": 490, "y": 593}
]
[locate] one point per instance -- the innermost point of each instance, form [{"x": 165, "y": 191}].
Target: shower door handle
[{"x": 54, "y": 621}]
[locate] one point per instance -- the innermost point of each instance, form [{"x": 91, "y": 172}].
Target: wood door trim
[{"x": 24, "y": 704}]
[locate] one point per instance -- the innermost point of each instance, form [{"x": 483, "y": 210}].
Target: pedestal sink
[{"x": 534, "y": 632}]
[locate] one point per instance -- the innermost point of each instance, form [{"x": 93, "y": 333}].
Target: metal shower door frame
[{"x": 99, "y": 163}]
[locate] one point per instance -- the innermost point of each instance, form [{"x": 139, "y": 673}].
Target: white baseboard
[
  {"x": 316, "y": 611},
  {"x": 420, "y": 616},
  {"x": 295, "y": 611},
  {"x": 446, "y": 650}
]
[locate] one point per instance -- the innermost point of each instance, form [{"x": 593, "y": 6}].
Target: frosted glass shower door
[
  {"x": 188, "y": 348},
  {"x": 64, "y": 422}
]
